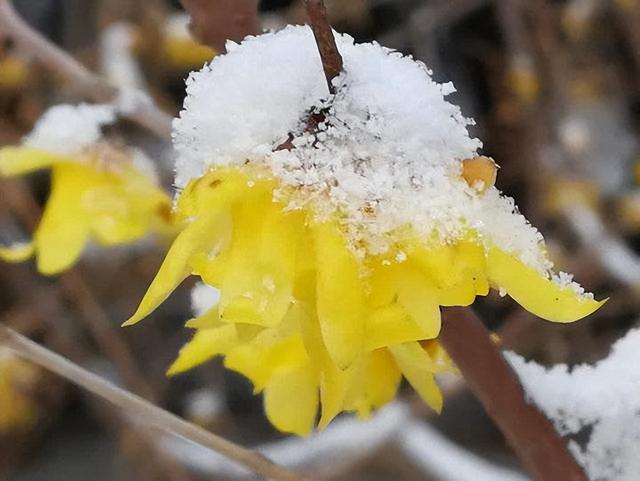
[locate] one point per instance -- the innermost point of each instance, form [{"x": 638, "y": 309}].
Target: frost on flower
[
  {"x": 334, "y": 227},
  {"x": 600, "y": 401},
  {"x": 98, "y": 191}
]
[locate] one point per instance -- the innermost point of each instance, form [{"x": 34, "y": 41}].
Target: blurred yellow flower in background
[
  {"x": 18, "y": 409},
  {"x": 106, "y": 200}
]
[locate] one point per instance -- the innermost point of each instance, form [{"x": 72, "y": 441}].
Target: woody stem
[{"x": 530, "y": 434}]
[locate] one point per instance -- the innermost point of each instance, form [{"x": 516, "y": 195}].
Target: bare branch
[
  {"x": 542, "y": 451},
  {"x": 140, "y": 410},
  {"x": 323, "y": 33},
  {"x": 70, "y": 70}
]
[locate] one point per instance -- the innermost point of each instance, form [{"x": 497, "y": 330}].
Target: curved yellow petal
[
  {"x": 221, "y": 184},
  {"x": 536, "y": 293},
  {"x": 261, "y": 266},
  {"x": 374, "y": 383},
  {"x": 383, "y": 378},
  {"x": 468, "y": 275},
  {"x": 22, "y": 160},
  {"x": 208, "y": 320},
  {"x": 199, "y": 236},
  {"x": 291, "y": 400},
  {"x": 267, "y": 355},
  {"x": 64, "y": 229},
  {"x": 418, "y": 295},
  {"x": 390, "y": 325},
  {"x": 18, "y": 252},
  {"x": 334, "y": 382},
  {"x": 417, "y": 366},
  {"x": 340, "y": 295},
  {"x": 124, "y": 206},
  {"x": 205, "y": 345},
  {"x": 439, "y": 263}
]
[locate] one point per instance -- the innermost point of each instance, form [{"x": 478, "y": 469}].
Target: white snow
[
  {"x": 389, "y": 154},
  {"x": 68, "y": 129},
  {"x": 603, "y": 398},
  {"x": 203, "y": 298},
  {"x": 118, "y": 64}
]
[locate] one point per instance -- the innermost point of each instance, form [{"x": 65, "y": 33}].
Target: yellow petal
[
  {"x": 199, "y": 236},
  {"x": 64, "y": 229},
  {"x": 205, "y": 345},
  {"x": 438, "y": 263},
  {"x": 383, "y": 378},
  {"x": 124, "y": 206},
  {"x": 418, "y": 295},
  {"x": 18, "y": 252},
  {"x": 260, "y": 270},
  {"x": 417, "y": 366},
  {"x": 334, "y": 382},
  {"x": 536, "y": 293},
  {"x": 340, "y": 295},
  {"x": 390, "y": 325},
  {"x": 22, "y": 160},
  {"x": 469, "y": 272},
  {"x": 208, "y": 320},
  {"x": 374, "y": 383},
  {"x": 219, "y": 185},
  {"x": 267, "y": 355},
  {"x": 291, "y": 400}
]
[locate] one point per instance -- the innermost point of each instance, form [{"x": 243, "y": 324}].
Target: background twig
[
  {"x": 59, "y": 62},
  {"x": 141, "y": 410}
]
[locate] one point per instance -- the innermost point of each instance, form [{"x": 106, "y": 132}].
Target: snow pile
[
  {"x": 602, "y": 401},
  {"x": 389, "y": 154},
  {"x": 68, "y": 129},
  {"x": 203, "y": 298}
]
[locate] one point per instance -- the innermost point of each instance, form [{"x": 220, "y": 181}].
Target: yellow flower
[
  {"x": 17, "y": 409},
  {"x": 14, "y": 73},
  {"x": 307, "y": 318},
  {"x": 334, "y": 238},
  {"x": 97, "y": 194}
]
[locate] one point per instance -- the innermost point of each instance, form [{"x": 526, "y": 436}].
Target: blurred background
[{"x": 554, "y": 87}]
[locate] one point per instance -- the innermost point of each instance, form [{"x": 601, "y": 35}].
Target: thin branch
[
  {"x": 323, "y": 33},
  {"x": 140, "y": 410},
  {"x": 69, "y": 69},
  {"x": 542, "y": 451}
]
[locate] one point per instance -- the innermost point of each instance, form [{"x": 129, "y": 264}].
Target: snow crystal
[
  {"x": 68, "y": 129},
  {"x": 388, "y": 155},
  {"x": 203, "y": 298},
  {"x": 602, "y": 400}
]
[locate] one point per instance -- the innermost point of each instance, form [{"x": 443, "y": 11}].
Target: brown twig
[
  {"x": 142, "y": 411},
  {"x": 542, "y": 452},
  {"x": 323, "y": 33},
  {"x": 69, "y": 69}
]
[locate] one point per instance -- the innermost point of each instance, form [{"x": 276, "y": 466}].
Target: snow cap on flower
[
  {"x": 391, "y": 145},
  {"x": 68, "y": 129}
]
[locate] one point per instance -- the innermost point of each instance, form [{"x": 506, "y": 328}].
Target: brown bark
[{"x": 542, "y": 451}]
